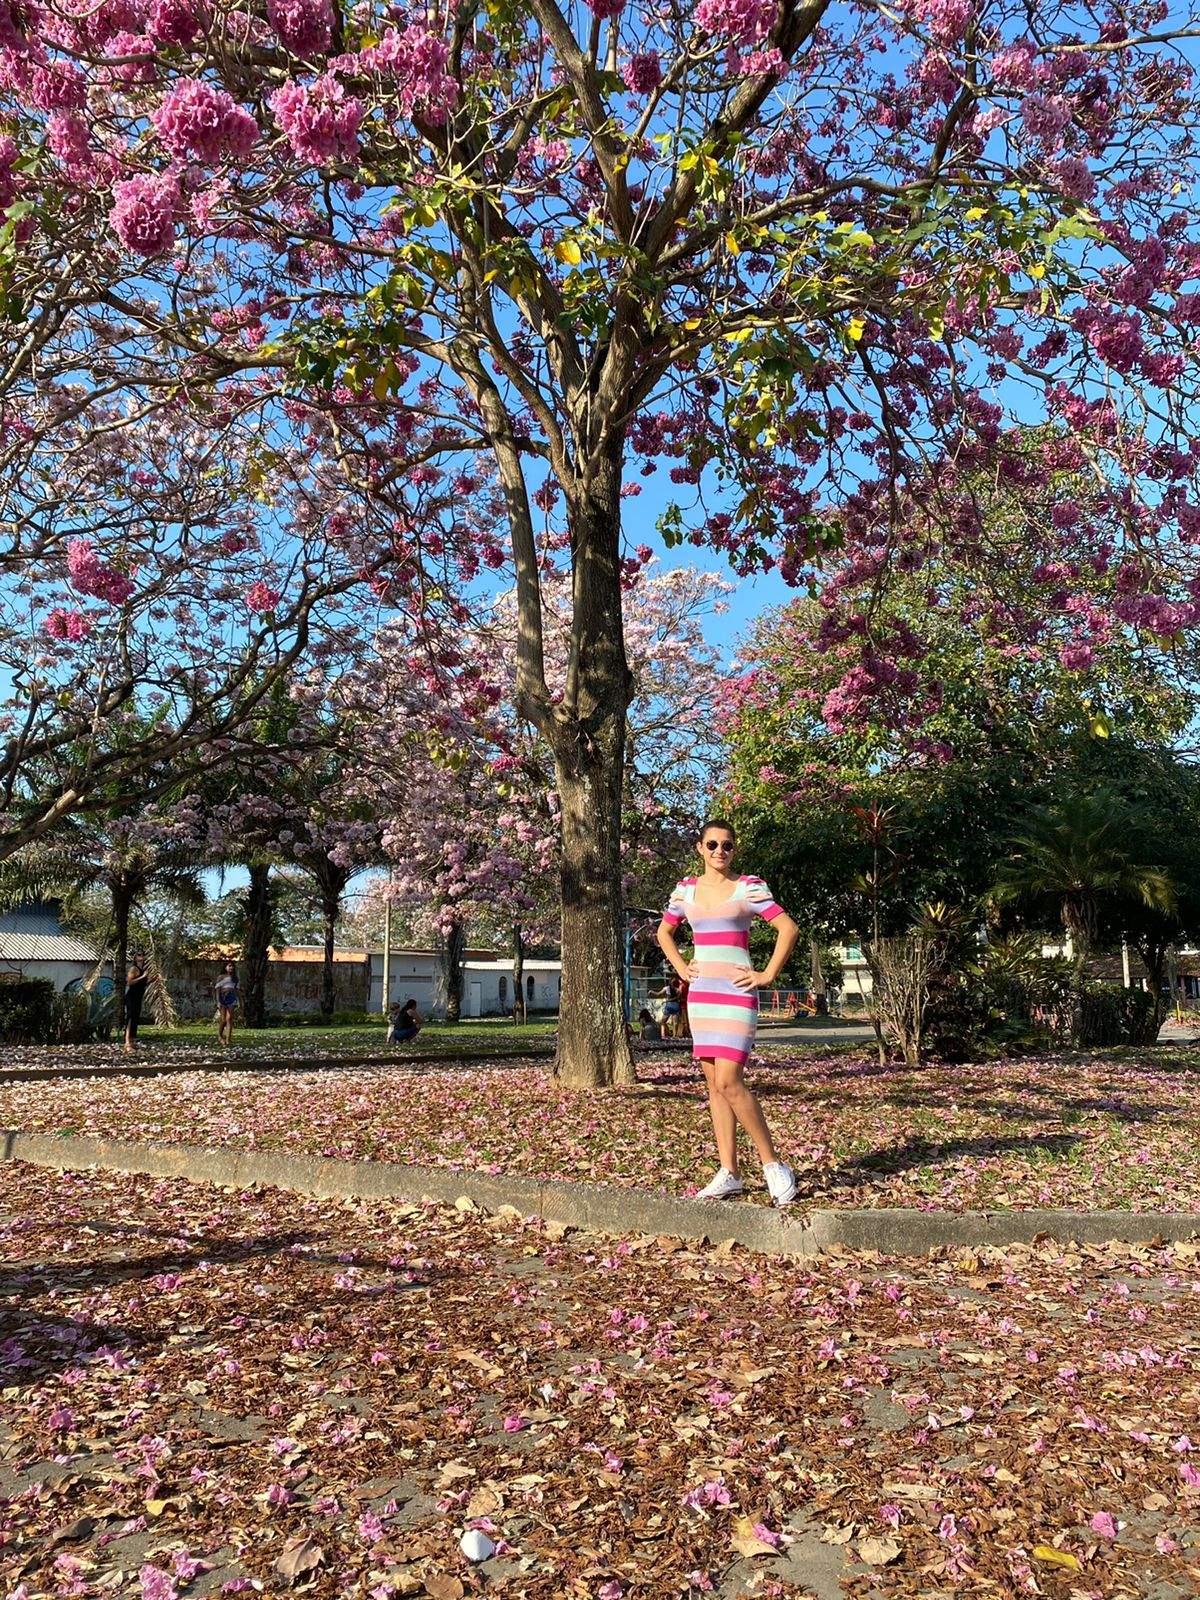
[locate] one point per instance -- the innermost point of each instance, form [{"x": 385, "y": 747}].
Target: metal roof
[{"x": 43, "y": 947}]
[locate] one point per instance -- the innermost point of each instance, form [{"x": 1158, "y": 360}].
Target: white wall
[
  {"x": 60, "y": 973},
  {"x": 487, "y": 985}
]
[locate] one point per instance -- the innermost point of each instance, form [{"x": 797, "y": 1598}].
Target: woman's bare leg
[
  {"x": 730, "y": 1086},
  {"x": 724, "y": 1126}
]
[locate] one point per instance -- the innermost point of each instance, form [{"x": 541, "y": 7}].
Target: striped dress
[{"x": 722, "y": 1016}]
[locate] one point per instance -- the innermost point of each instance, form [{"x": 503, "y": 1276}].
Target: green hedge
[{"x": 27, "y": 1010}]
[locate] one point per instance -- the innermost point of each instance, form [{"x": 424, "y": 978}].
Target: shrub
[{"x": 27, "y": 1011}]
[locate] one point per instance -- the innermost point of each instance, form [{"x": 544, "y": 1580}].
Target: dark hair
[
  {"x": 409, "y": 1003},
  {"x": 716, "y": 822}
]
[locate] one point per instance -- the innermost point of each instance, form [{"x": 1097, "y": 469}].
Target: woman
[
  {"x": 136, "y": 980},
  {"x": 723, "y": 1002},
  {"x": 226, "y": 988},
  {"x": 408, "y": 1024}
]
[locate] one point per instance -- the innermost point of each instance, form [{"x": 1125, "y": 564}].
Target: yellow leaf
[
  {"x": 732, "y": 245},
  {"x": 1050, "y": 1557},
  {"x": 1099, "y": 726},
  {"x": 1038, "y": 270},
  {"x": 747, "y": 1543},
  {"x": 856, "y": 328},
  {"x": 937, "y": 328},
  {"x": 711, "y": 167},
  {"x": 568, "y": 252},
  {"x": 975, "y": 213},
  {"x": 692, "y": 324}
]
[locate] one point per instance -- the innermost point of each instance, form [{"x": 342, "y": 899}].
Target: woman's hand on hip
[{"x": 749, "y": 979}]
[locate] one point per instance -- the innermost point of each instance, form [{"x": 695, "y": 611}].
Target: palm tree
[
  {"x": 1077, "y": 854},
  {"x": 101, "y": 854}
]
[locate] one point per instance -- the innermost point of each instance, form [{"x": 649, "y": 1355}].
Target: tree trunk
[
  {"x": 122, "y": 906},
  {"x": 518, "y": 974},
  {"x": 820, "y": 996},
  {"x": 452, "y": 964},
  {"x": 593, "y": 1045},
  {"x": 256, "y": 945},
  {"x": 331, "y": 906},
  {"x": 589, "y": 760}
]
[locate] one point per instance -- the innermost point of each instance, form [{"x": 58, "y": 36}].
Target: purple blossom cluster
[
  {"x": 319, "y": 119},
  {"x": 206, "y": 124},
  {"x": 91, "y": 576},
  {"x": 144, "y": 210},
  {"x": 305, "y": 26}
]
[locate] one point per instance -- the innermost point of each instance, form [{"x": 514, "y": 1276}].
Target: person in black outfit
[{"x": 135, "y": 993}]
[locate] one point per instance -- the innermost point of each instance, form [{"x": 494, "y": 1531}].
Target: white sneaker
[
  {"x": 781, "y": 1182},
  {"x": 724, "y": 1186}
]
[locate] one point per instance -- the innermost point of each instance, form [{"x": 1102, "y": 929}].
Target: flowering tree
[
  {"x": 158, "y": 581},
  {"x": 777, "y": 245}
]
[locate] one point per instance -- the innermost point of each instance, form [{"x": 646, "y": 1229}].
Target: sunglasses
[{"x": 718, "y": 844}]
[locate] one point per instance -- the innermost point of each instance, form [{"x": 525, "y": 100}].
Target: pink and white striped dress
[{"x": 723, "y": 1017}]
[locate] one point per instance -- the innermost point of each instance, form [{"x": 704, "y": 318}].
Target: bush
[
  {"x": 27, "y": 1011},
  {"x": 1016, "y": 1001}
]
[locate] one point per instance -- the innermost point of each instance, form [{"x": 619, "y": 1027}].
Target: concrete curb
[{"x": 599, "y": 1209}]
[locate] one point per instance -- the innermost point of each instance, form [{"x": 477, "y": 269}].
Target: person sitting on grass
[
  {"x": 407, "y": 1023},
  {"x": 650, "y": 1030}
]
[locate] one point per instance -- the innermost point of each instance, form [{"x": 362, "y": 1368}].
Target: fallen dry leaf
[
  {"x": 877, "y": 1552},
  {"x": 1050, "y": 1557},
  {"x": 299, "y": 1557},
  {"x": 747, "y": 1543}
]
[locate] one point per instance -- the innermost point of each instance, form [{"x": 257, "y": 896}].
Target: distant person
[
  {"x": 407, "y": 1024},
  {"x": 650, "y": 1031},
  {"x": 672, "y": 1007},
  {"x": 136, "y": 980},
  {"x": 226, "y": 988}
]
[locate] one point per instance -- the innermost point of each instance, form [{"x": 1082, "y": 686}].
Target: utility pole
[{"x": 385, "y": 988}]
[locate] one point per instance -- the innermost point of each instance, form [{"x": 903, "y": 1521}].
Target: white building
[
  {"x": 857, "y": 984},
  {"x": 34, "y": 945},
  {"x": 487, "y": 982}
]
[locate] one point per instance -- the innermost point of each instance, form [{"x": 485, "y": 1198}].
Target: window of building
[
  {"x": 529, "y": 987},
  {"x": 503, "y": 990}
]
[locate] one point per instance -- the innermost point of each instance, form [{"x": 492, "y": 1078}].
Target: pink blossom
[
  {"x": 642, "y": 73},
  {"x": 606, "y": 8},
  {"x": 319, "y": 119},
  {"x": 69, "y": 140},
  {"x": 9, "y": 155},
  {"x": 143, "y": 212},
  {"x": 140, "y": 45},
  {"x": 1103, "y": 1524},
  {"x": 946, "y": 19},
  {"x": 1074, "y": 177},
  {"x": 418, "y": 60},
  {"x": 261, "y": 598},
  {"x": 175, "y": 21},
  {"x": 305, "y": 26},
  {"x": 515, "y": 1424},
  {"x": 1045, "y": 117},
  {"x": 89, "y": 575},
  {"x": 156, "y": 1584},
  {"x": 197, "y": 120},
  {"x": 706, "y": 1495},
  {"x": 1016, "y": 67},
  {"x": 71, "y": 625},
  {"x": 746, "y": 22}
]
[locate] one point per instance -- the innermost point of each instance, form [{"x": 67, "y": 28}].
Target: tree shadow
[
  {"x": 37, "y": 1341},
  {"x": 915, "y": 1152}
]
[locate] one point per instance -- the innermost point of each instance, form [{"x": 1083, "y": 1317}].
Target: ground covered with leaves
[
  {"x": 1090, "y": 1132},
  {"x": 196, "y": 1045},
  {"x": 210, "y": 1392}
]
